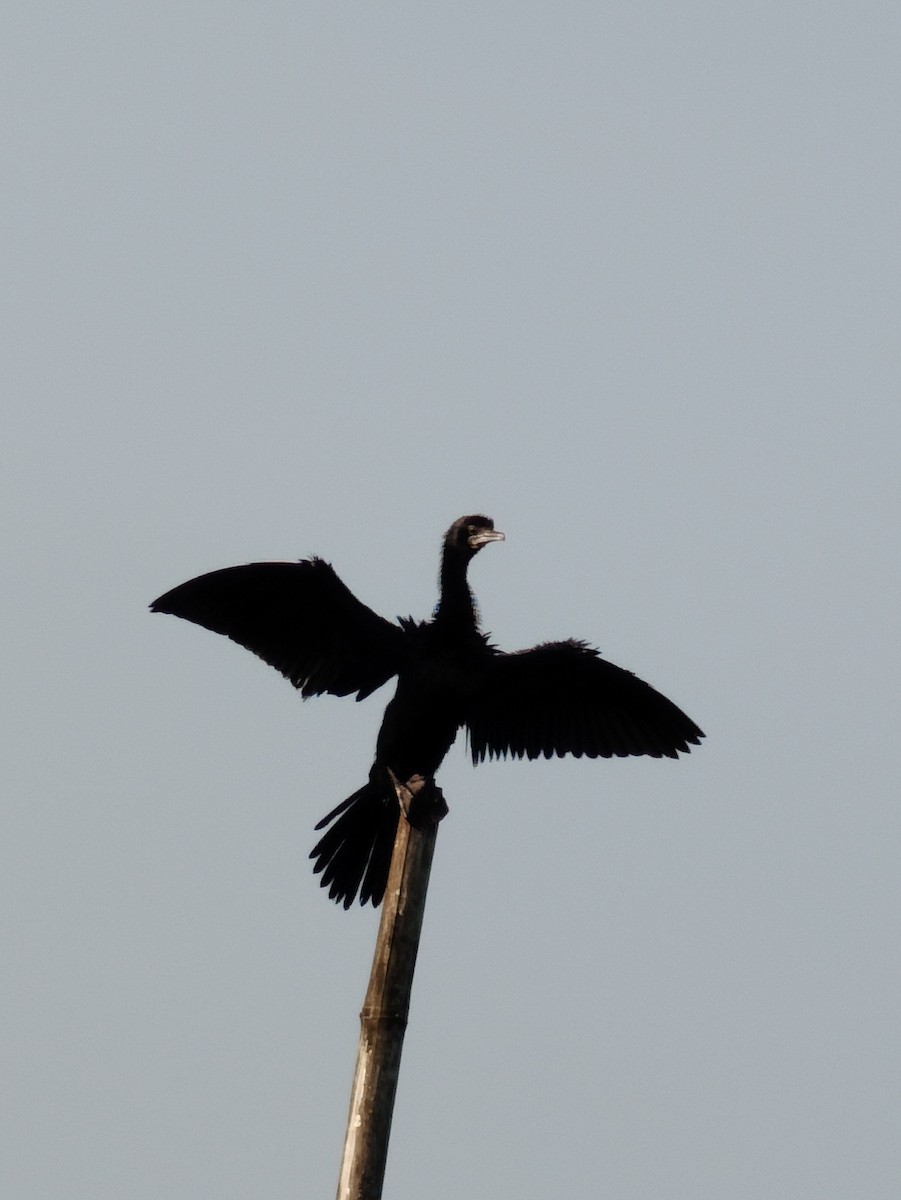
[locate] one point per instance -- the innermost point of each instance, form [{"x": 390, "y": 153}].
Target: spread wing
[
  {"x": 298, "y": 617},
  {"x": 563, "y": 698}
]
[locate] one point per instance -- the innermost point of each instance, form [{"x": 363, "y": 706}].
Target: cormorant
[{"x": 556, "y": 698}]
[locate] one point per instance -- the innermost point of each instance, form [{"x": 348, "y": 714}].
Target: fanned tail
[{"x": 354, "y": 854}]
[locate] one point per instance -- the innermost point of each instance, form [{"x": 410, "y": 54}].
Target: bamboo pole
[{"x": 383, "y": 1020}]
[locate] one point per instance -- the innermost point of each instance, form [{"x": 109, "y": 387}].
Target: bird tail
[{"x": 354, "y": 854}]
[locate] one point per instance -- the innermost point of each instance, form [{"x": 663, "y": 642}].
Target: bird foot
[{"x": 421, "y": 800}]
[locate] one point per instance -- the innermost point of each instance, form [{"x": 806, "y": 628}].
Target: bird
[{"x": 554, "y": 699}]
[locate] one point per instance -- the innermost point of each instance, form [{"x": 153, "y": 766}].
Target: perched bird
[{"x": 556, "y": 698}]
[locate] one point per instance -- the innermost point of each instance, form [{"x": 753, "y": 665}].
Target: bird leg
[{"x": 421, "y": 800}]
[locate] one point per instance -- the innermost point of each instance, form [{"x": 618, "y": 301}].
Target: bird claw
[{"x": 421, "y": 800}]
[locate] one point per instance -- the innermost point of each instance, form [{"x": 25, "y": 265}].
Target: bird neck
[{"x": 456, "y": 609}]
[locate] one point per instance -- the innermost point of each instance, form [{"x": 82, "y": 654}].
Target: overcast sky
[{"x": 295, "y": 278}]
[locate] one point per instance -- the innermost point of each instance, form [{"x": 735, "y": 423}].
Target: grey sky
[{"x": 285, "y": 279}]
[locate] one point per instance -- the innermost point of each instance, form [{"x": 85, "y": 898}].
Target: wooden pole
[{"x": 383, "y": 1020}]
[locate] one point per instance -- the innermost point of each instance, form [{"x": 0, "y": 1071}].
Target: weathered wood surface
[{"x": 383, "y": 1020}]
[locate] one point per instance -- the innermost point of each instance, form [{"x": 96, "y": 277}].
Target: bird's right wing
[
  {"x": 563, "y": 698},
  {"x": 298, "y": 617}
]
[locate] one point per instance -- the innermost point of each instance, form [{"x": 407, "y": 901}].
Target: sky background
[{"x": 284, "y": 279}]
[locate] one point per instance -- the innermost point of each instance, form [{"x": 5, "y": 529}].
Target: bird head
[{"x": 470, "y": 534}]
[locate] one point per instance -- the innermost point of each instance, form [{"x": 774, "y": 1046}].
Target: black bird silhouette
[{"x": 556, "y": 698}]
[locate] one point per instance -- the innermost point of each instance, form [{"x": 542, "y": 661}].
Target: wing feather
[
  {"x": 563, "y": 698},
  {"x": 298, "y": 617}
]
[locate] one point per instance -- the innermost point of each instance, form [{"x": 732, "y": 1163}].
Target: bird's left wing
[
  {"x": 563, "y": 698},
  {"x": 298, "y": 617}
]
